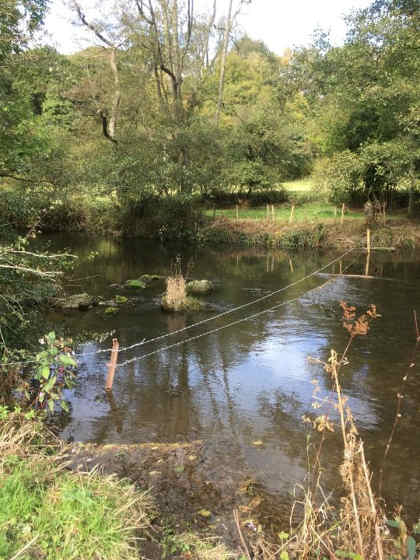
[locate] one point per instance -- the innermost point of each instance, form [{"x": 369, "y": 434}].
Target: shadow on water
[{"x": 251, "y": 381}]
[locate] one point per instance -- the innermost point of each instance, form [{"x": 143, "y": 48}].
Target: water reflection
[{"x": 252, "y": 381}]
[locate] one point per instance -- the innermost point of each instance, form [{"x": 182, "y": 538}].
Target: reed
[{"x": 357, "y": 527}]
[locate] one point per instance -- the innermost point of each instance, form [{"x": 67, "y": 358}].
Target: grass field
[{"x": 311, "y": 211}]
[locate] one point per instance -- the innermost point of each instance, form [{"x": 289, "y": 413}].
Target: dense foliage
[{"x": 102, "y": 138}]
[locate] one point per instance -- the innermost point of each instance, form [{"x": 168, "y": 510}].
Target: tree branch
[
  {"x": 90, "y": 25},
  {"x": 42, "y": 274}
]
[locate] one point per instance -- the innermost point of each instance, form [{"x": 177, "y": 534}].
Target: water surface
[{"x": 250, "y": 381}]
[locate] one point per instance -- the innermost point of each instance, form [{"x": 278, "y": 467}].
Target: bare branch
[
  {"x": 90, "y": 25},
  {"x": 41, "y": 273}
]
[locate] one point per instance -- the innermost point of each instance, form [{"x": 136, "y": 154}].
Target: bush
[
  {"x": 340, "y": 177},
  {"x": 170, "y": 218},
  {"x": 271, "y": 196}
]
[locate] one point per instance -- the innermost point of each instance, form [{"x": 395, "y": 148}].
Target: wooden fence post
[
  {"x": 112, "y": 364},
  {"x": 342, "y": 213},
  {"x": 368, "y": 252},
  {"x": 237, "y": 213},
  {"x": 291, "y": 214}
]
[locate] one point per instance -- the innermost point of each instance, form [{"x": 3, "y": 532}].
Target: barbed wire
[
  {"x": 217, "y": 329},
  {"x": 222, "y": 314},
  {"x": 203, "y": 321}
]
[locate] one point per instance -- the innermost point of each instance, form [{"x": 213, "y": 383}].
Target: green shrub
[
  {"x": 340, "y": 177},
  {"x": 170, "y": 218}
]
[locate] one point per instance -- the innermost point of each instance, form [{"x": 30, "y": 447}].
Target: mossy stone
[
  {"x": 111, "y": 310},
  {"x": 136, "y": 283},
  {"x": 200, "y": 287}
]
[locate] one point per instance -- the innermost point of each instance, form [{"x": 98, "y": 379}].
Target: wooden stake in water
[
  {"x": 112, "y": 364},
  {"x": 368, "y": 252},
  {"x": 292, "y": 211},
  {"x": 343, "y": 207}
]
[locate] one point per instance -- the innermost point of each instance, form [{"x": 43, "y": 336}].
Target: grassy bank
[
  {"x": 48, "y": 512},
  {"x": 292, "y": 215},
  {"x": 398, "y": 233}
]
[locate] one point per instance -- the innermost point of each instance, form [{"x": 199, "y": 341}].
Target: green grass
[
  {"x": 52, "y": 514},
  {"x": 311, "y": 211}
]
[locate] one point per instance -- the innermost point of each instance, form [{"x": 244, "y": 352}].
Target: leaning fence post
[{"x": 112, "y": 364}]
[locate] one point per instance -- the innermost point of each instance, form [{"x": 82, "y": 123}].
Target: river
[{"x": 244, "y": 388}]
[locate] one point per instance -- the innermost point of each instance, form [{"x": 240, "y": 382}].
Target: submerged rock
[
  {"x": 186, "y": 304},
  {"x": 77, "y": 301},
  {"x": 200, "y": 287},
  {"x": 111, "y": 310}
]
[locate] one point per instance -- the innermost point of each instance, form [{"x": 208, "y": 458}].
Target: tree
[{"x": 363, "y": 96}]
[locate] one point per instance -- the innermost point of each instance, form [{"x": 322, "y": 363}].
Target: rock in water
[
  {"x": 77, "y": 301},
  {"x": 136, "y": 283},
  {"x": 200, "y": 287}
]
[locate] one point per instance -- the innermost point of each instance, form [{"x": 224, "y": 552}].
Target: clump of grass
[
  {"x": 49, "y": 513},
  {"x": 175, "y": 297},
  {"x": 176, "y": 291}
]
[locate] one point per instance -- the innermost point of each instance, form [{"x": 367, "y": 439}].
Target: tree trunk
[
  {"x": 116, "y": 97},
  {"x": 223, "y": 62}
]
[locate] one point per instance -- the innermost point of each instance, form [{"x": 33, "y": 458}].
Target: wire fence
[{"x": 83, "y": 355}]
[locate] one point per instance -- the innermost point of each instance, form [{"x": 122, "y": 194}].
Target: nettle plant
[{"x": 55, "y": 371}]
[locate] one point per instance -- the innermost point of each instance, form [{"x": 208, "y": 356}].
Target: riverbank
[
  {"x": 122, "y": 502},
  {"x": 398, "y": 233}
]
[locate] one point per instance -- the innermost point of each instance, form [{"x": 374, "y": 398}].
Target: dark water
[{"x": 250, "y": 381}]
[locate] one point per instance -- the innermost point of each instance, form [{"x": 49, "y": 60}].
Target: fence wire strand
[{"x": 223, "y": 313}]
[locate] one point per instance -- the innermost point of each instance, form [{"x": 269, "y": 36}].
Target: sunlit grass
[
  {"x": 49, "y": 513},
  {"x": 311, "y": 211},
  {"x": 299, "y": 185}
]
